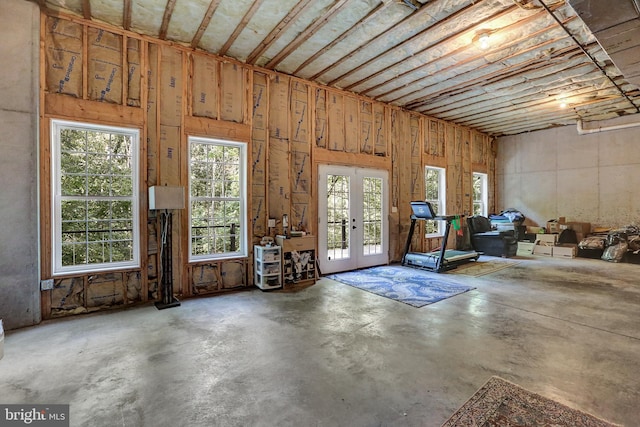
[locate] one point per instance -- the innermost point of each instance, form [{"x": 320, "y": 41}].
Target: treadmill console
[{"x": 423, "y": 210}]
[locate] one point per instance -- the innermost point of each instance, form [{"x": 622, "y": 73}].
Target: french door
[{"x": 352, "y": 214}]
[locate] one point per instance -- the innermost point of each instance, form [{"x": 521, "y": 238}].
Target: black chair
[{"x": 491, "y": 242}]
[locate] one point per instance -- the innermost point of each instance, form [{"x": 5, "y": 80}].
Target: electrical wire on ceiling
[{"x": 591, "y": 58}]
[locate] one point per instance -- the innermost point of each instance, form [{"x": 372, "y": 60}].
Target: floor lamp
[{"x": 166, "y": 199}]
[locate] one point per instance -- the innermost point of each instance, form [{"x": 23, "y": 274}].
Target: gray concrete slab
[{"x": 333, "y": 355}]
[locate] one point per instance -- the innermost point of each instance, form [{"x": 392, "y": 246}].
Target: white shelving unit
[{"x": 267, "y": 267}]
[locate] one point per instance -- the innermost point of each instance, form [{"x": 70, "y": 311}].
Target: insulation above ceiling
[{"x": 548, "y": 63}]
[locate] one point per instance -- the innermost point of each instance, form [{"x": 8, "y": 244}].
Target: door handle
[{"x": 353, "y": 227}]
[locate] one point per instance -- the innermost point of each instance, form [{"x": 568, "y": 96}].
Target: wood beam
[
  {"x": 335, "y": 63},
  {"x": 126, "y": 15},
  {"x": 424, "y": 66},
  {"x": 282, "y": 26},
  {"x": 464, "y": 32},
  {"x": 540, "y": 105},
  {"x": 205, "y": 23},
  {"x": 100, "y": 112},
  {"x": 241, "y": 26},
  {"x": 547, "y": 81},
  {"x": 217, "y": 128},
  {"x": 406, "y": 44},
  {"x": 487, "y": 104},
  {"x": 308, "y": 32},
  {"x": 168, "y": 12},
  {"x": 355, "y": 27},
  {"x": 500, "y": 74},
  {"x": 86, "y": 9}
]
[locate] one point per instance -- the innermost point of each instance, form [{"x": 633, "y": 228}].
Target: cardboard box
[
  {"x": 543, "y": 248},
  {"x": 553, "y": 226},
  {"x": 525, "y": 248},
  {"x": 549, "y": 239},
  {"x": 565, "y": 250},
  {"x": 583, "y": 228}
]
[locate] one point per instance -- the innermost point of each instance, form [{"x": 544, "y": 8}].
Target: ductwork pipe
[{"x": 583, "y": 131}]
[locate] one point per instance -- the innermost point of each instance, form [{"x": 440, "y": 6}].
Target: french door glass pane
[
  {"x": 372, "y": 216},
  {"x": 338, "y": 217}
]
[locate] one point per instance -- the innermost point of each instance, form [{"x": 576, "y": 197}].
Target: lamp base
[{"x": 160, "y": 305}]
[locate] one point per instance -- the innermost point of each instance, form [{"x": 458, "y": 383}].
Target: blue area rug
[{"x": 408, "y": 285}]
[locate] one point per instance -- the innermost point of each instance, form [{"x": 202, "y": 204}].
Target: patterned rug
[
  {"x": 408, "y": 285},
  {"x": 482, "y": 267},
  {"x": 500, "y": 403}
]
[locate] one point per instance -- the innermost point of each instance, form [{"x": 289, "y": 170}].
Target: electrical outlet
[
  {"x": 272, "y": 222},
  {"x": 46, "y": 285}
]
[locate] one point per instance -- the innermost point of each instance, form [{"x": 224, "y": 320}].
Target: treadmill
[{"x": 442, "y": 260}]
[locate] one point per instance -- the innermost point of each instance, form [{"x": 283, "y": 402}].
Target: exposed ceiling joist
[
  {"x": 308, "y": 32},
  {"x": 407, "y": 44},
  {"x": 350, "y": 31},
  {"x": 126, "y": 15},
  {"x": 166, "y": 18},
  {"x": 243, "y": 23},
  {"x": 280, "y": 28},
  {"x": 86, "y": 9},
  {"x": 195, "y": 41},
  {"x": 450, "y": 54}
]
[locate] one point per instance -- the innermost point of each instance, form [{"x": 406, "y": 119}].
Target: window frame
[
  {"x": 57, "y": 269},
  {"x": 484, "y": 203},
  {"x": 243, "y": 199},
  {"x": 442, "y": 201}
]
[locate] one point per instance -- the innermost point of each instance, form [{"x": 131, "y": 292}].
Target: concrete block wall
[
  {"x": 19, "y": 53},
  {"x": 557, "y": 172}
]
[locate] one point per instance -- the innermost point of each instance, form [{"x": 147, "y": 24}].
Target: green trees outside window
[
  {"x": 217, "y": 198},
  {"x": 95, "y": 208}
]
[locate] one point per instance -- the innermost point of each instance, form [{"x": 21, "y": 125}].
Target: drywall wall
[
  {"x": 19, "y": 277},
  {"x": 557, "y": 172}
]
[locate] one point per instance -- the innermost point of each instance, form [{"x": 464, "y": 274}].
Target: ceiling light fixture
[
  {"x": 562, "y": 102},
  {"x": 482, "y": 39}
]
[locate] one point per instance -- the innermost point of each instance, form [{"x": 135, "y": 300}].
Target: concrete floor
[{"x": 332, "y": 355}]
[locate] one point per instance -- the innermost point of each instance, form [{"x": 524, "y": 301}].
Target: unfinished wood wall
[{"x": 95, "y": 73}]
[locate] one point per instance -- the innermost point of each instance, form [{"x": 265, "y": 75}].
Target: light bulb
[{"x": 483, "y": 39}]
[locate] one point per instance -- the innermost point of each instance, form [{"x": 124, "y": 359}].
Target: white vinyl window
[
  {"x": 480, "y": 197},
  {"x": 94, "y": 187},
  {"x": 435, "y": 192},
  {"x": 217, "y": 199}
]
